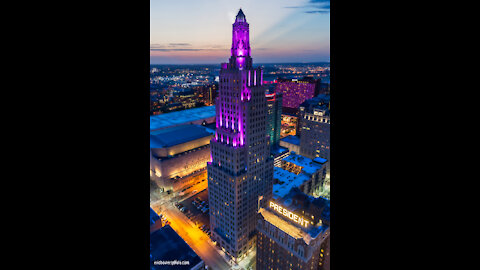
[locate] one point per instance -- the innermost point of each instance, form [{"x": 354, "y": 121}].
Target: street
[{"x": 195, "y": 238}]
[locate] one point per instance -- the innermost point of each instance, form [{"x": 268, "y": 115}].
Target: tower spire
[
  {"x": 240, "y": 16},
  {"x": 240, "y": 51}
]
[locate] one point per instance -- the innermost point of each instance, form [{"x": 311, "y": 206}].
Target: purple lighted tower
[{"x": 241, "y": 171}]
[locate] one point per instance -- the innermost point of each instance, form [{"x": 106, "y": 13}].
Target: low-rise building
[
  {"x": 291, "y": 142},
  {"x": 278, "y": 153},
  {"x": 197, "y": 116},
  {"x": 169, "y": 251},
  {"x": 179, "y": 155},
  {"x": 295, "y": 171}
]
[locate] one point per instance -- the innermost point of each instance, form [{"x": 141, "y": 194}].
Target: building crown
[{"x": 240, "y": 16}]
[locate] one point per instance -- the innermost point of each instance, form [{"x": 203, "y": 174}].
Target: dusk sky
[{"x": 200, "y": 31}]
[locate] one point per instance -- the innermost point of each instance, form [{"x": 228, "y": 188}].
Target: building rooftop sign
[{"x": 292, "y": 216}]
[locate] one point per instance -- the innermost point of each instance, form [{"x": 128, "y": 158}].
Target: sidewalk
[
  {"x": 243, "y": 264},
  {"x": 220, "y": 252},
  {"x": 248, "y": 261}
]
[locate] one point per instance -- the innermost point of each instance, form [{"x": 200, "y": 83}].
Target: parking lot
[{"x": 196, "y": 208}]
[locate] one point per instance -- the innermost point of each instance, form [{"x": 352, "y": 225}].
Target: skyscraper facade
[
  {"x": 241, "y": 170},
  {"x": 274, "y": 106},
  {"x": 293, "y": 233},
  {"x": 315, "y": 127},
  {"x": 297, "y": 91}
]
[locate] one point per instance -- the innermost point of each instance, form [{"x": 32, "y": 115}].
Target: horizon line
[{"x": 252, "y": 64}]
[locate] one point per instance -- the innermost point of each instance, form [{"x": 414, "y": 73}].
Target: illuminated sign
[{"x": 298, "y": 219}]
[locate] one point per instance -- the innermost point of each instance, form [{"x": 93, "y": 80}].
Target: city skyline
[
  {"x": 285, "y": 31},
  {"x": 215, "y": 170}
]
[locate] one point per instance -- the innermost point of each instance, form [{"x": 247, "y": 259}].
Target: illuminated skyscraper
[
  {"x": 241, "y": 169},
  {"x": 274, "y": 104},
  {"x": 297, "y": 91}
]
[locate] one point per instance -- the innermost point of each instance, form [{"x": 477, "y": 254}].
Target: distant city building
[
  {"x": 240, "y": 173},
  {"x": 315, "y": 127},
  {"x": 293, "y": 232},
  {"x": 191, "y": 116},
  {"x": 296, "y": 91},
  {"x": 274, "y": 117},
  {"x": 206, "y": 94},
  {"x": 169, "y": 251},
  {"x": 292, "y": 143},
  {"x": 179, "y": 155},
  {"x": 295, "y": 171}
]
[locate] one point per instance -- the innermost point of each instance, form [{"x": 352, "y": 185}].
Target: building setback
[{"x": 241, "y": 169}]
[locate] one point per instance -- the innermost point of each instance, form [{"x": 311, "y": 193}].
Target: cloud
[
  {"x": 156, "y": 46},
  {"x": 174, "y": 49},
  {"x": 315, "y": 6},
  {"x": 317, "y": 11},
  {"x": 171, "y": 47},
  {"x": 179, "y": 44}
]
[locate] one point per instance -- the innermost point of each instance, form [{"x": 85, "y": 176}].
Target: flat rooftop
[
  {"x": 278, "y": 149},
  {"x": 309, "y": 166},
  {"x": 291, "y": 139},
  {"x": 292, "y": 229},
  {"x": 289, "y": 179},
  {"x": 181, "y": 117},
  {"x": 178, "y": 135}
]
